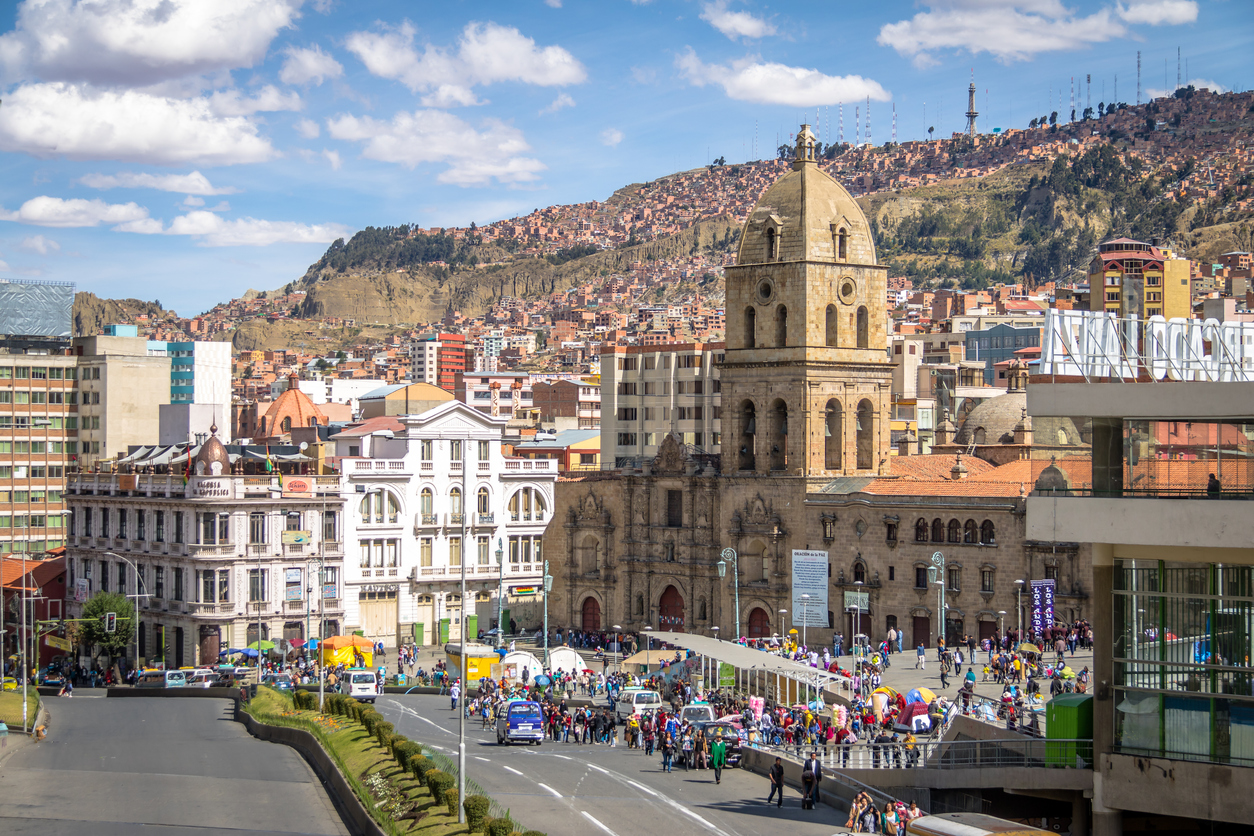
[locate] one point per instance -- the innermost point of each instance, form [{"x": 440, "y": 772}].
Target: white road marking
[
  {"x": 485, "y": 760},
  {"x": 641, "y": 787},
  {"x": 590, "y": 818},
  {"x": 550, "y": 789},
  {"x": 511, "y": 769},
  {"x": 563, "y": 757},
  {"x": 599, "y": 769}
]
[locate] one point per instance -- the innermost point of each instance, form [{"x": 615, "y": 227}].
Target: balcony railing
[
  {"x": 212, "y": 550},
  {"x": 1011, "y": 753},
  {"x": 294, "y": 605},
  {"x": 211, "y": 608},
  {"x": 487, "y": 519}
]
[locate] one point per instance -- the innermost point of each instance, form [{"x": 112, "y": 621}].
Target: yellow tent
[{"x": 344, "y": 650}]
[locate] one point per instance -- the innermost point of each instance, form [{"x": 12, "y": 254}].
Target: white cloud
[
  {"x": 4, "y": 266},
  {"x": 553, "y": 4},
  {"x": 611, "y": 137},
  {"x": 751, "y": 80},
  {"x": 1158, "y": 12},
  {"x": 268, "y": 98},
  {"x": 735, "y": 24},
  {"x": 486, "y": 53},
  {"x": 215, "y": 231},
  {"x": 1017, "y": 30},
  {"x": 194, "y": 183},
  {"x": 54, "y": 211},
  {"x": 193, "y": 201},
  {"x": 474, "y": 157},
  {"x": 136, "y": 42},
  {"x": 72, "y": 121},
  {"x": 40, "y": 244},
  {"x": 333, "y": 157},
  {"x": 309, "y": 65},
  {"x": 562, "y": 100},
  {"x": 308, "y": 128}
]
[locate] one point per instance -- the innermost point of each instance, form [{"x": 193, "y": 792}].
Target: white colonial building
[{"x": 424, "y": 494}]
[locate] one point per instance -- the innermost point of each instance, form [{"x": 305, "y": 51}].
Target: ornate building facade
[{"x": 805, "y": 467}]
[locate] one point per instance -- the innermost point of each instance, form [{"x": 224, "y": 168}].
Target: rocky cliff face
[{"x": 91, "y": 313}]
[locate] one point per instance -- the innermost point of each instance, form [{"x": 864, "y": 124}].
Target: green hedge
[
  {"x": 403, "y": 749},
  {"x": 476, "y": 807},
  {"x": 450, "y": 800},
  {"x": 382, "y": 732},
  {"x": 500, "y": 827},
  {"x": 438, "y": 781},
  {"x": 420, "y": 765},
  {"x": 533, "y": 833}
]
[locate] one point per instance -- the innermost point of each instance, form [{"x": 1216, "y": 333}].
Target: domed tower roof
[
  {"x": 213, "y": 460},
  {"x": 804, "y": 215}
]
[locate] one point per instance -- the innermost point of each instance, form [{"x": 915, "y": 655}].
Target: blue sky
[{"x": 186, "y": 150}]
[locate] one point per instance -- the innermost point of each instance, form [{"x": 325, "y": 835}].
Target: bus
[{"x": 968, "y": 824}]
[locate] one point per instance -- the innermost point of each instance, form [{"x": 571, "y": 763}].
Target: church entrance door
[
  {"x": 671, "y": 610},
  {"x": 759, "y": 624},
  {"x": 591, "y": 614}
]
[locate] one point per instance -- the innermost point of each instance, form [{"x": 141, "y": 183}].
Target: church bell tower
[{"x": 806, "y": 377}]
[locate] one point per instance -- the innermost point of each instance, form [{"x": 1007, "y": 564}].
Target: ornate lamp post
[{"x": 729, "y": 557}]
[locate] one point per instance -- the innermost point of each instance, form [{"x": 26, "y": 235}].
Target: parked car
[
  {"x": 731, "y": 736},
  {"x": 282, "y": 681}
]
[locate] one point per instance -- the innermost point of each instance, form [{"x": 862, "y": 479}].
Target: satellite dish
[{"x": 304, "y": 445}]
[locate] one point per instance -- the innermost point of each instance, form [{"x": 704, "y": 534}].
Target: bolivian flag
[{"x": 271, "y": 469}]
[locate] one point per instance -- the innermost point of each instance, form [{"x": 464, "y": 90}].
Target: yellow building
[{"x": 1129, "y": 278}]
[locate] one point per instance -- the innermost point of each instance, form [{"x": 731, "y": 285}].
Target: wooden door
[{"x": 922, "y": 631}]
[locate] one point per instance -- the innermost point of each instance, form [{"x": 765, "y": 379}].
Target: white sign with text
[{"x": 809, "y": 577}]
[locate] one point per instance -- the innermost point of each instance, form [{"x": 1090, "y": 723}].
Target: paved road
[
  {"x": 565, "y": 789},
  {"x": 171, "y": 767}
]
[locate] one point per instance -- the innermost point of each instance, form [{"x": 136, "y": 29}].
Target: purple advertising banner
[{"x": 1042, "y": 605}]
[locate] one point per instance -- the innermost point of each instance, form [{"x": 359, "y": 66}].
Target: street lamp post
[
  {"x": 500, "y": 592},
  {"x": 618, "y": 644},
  {"x": 1001, "y": 626},
  {"x": 1019, "y": 608},
  {"x": 729, "y": 557},
  {"x": 805, "y": 611},
  {"x": 938, "y": 571},
  {"x": 548, "y": 584},
  {"x": 135, "y": 616},
  {"x": 855, "y": 644}
]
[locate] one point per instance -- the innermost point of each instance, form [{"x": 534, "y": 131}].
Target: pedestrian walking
[
  {"x": 776, "y": 774},
  {"x": 454, "y": 693},
  {"x": 921, "y": 659},
  {"x": 718, "y": 757},
  {"x": 668, "y": 753},
  {"x": 811, "y": 776}
]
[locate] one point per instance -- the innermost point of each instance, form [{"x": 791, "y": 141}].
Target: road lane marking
[
  {"x": 513, "y": 770},
  {"x": 485, "y": 760},
  {"x": 550, "y": 789},
  {"x": 590, "y": 818},
  {"x": 564, "y": 757},
  {"x": 599, "y": 769},
  {"x": 641, "y": 787}
]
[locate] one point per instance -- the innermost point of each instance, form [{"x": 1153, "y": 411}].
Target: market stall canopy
[
  {"x": 560, "y": 659},
  {"x": 339, "y": 642},
  {"x": 650, "y": 657},
  {"x": 923, "y": 695},
  {"x": 748, "y": 659}
]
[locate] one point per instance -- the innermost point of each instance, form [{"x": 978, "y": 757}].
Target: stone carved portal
[{"x": 671, "y": 610}]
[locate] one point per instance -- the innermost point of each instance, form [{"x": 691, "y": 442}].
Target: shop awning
[{"x": 748, "y": 659}]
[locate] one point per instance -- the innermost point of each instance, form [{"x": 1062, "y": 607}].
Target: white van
[
  {"x": 697, "y": 712},
  {"x": 640, "y": 701},
  {"x": 361, "y": 684},
  {"x": 162, "y": 679},
  {"x": 202, "y": 678}
]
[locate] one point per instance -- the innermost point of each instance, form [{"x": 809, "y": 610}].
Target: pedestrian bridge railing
[{"x": 952, "y": 754}]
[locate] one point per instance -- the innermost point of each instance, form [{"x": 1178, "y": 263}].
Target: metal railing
[{"x": 952, "y": 754}]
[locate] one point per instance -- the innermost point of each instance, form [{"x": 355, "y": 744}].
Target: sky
[{"x": 187, "y": 150}]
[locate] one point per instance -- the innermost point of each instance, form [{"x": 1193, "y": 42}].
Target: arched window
[
  {"x": 526, "y": 505},
  {"x": 864, "y": 328},
  {"x": 859, "y": 573},
  {"x": 425, "y": 502},
  {"x": 748, "y": 435},
  {"x": 751, "y": 328},
  {"x": 831, "y": 326},
  {"x": 833, "y": 435},
  {"x": 287, "y": 424},
  {"x": 779, "y": 435},
  {"x": 866, "y": 435},
  {"x": 987, "y": 533},
  {"x": 640, "y": 606},
  {"x": 978, "y": 436},
  {"x": 455, "y": 501},
  {"x": 938, "y": 531},
  {"x": 970, "y": 532},
  {"x": 770, "y": 244},
  {"x": 378, "y": 506},
  {"x": 842, "y": 244},
  {"x": 701, "y": 613},
  {"x": 920, "y": 531},
  {"x": 781, "y": 326},
  {"x": 484, "y": 500},
  {"x": 955, "y": 531}
]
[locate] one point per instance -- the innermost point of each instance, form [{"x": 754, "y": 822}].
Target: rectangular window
[
  {"x": 675, "y": 509},
  {"x": 455, "y": 551},
  {"x": 122, "y": 523},
  {"x": 294, "y": 585},
  {"x": 141, "y": 527},
  {"x": 426, "y": 446},
  {"x": 121, "y": 577},
  {"x": 258, "y": 584},
  {"x": 87, "y": 522},
  {"x": 513, "y": 552},
  {"x": 626, "y": 439},
  {"x": 920, "y": 577},
  {"x": 159, "y": 581},
  {"x": 393, "y": 554},
  {"x": 104, "y": 522},
  {"x": 158, "y": 527},
  {"x": 955, "y": 579},
  {"x": 483, "y": 545},
  {"x": 455, "y": 450},
  {"x": 330, "y": 530},
  {"x": 178, "y": 526},
  {"x": 986, "y": 580},
  {"x": 178, "y": 583},
  {"x": 363, "y": 548},
  {"x": 424, "y": 552},
  {"x": 626, "y": 413},
  {"x": 627, "y": 388},
  {"x": 224, "y": 586},
  {"x": 104, "y": 576},
  {"x": 257, "y": 527},
  {"x": 485, "y": 451}
]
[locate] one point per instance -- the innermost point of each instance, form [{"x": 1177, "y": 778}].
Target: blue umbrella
[
  {"x": 230, "y": 650},
  {"x": 542, "y": 680}
]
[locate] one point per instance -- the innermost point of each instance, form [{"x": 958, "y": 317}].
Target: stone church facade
[{"x": 805, "y": 465}]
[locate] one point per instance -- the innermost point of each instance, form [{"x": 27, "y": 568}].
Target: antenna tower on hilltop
[
  {"x": 868, "y": 120},
  {"x": 894, "y": 123},
  {"x": 840, "y": 121},
  {"x": 971, "y": 112},
  {"x": 1072, "y": 98},
  {"x": 1177, "y": 68},
  {"x": 1138, "y": 77},
  {"x": 857, "y": 126},
  {"x": 1088, "y": 91}
]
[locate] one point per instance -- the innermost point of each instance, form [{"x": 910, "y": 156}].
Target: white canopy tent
[{"x": 752, "y": 661}]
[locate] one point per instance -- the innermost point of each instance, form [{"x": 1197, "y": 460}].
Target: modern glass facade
[{"x": 1184, "y": 685}]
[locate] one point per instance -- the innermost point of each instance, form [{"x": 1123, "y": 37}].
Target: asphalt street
[
  {"x": 169, "y": 767},
  {"x": 568, "y": 789}
]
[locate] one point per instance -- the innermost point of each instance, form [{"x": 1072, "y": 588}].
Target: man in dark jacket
[
  {"x": 776, "y": 775},
  {"x": 815, "y": 768}
]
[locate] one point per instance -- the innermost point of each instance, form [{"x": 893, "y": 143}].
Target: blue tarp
[{"x": 913, "y": 696}]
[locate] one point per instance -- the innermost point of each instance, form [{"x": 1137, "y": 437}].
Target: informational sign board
[
  {"x": 1043, "y": 605},
  {"x": 297, "y": 538},
  {"x": 58, "y": 642},
  {"x": 809, "y": 577},
  {"x": 859, "y": 600},
  {"x": 726, "y": 675}
]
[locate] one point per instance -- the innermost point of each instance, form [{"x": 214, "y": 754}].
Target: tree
[
  {"x": 92, "y": 631},
  {"x": 929, "y": 132},
  {"x": 1053, "y": 118},
  {"x": 1032, "y": 124},
  {"x": 341, "y": 356}
]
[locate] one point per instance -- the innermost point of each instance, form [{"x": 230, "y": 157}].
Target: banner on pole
[
  {"x": 726, "y": 675},
  {"x": 809, "y": 577},
  {"x": 1043, "y": 605}
]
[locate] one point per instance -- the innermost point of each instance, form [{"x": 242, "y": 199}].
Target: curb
[{"x": 350, "y": 807}]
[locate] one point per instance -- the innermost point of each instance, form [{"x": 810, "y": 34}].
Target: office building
[
  {"x": 438, "y": 359},
  {"x": 121, "y": 389},
  {"x": 1132, "y": 278}
]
